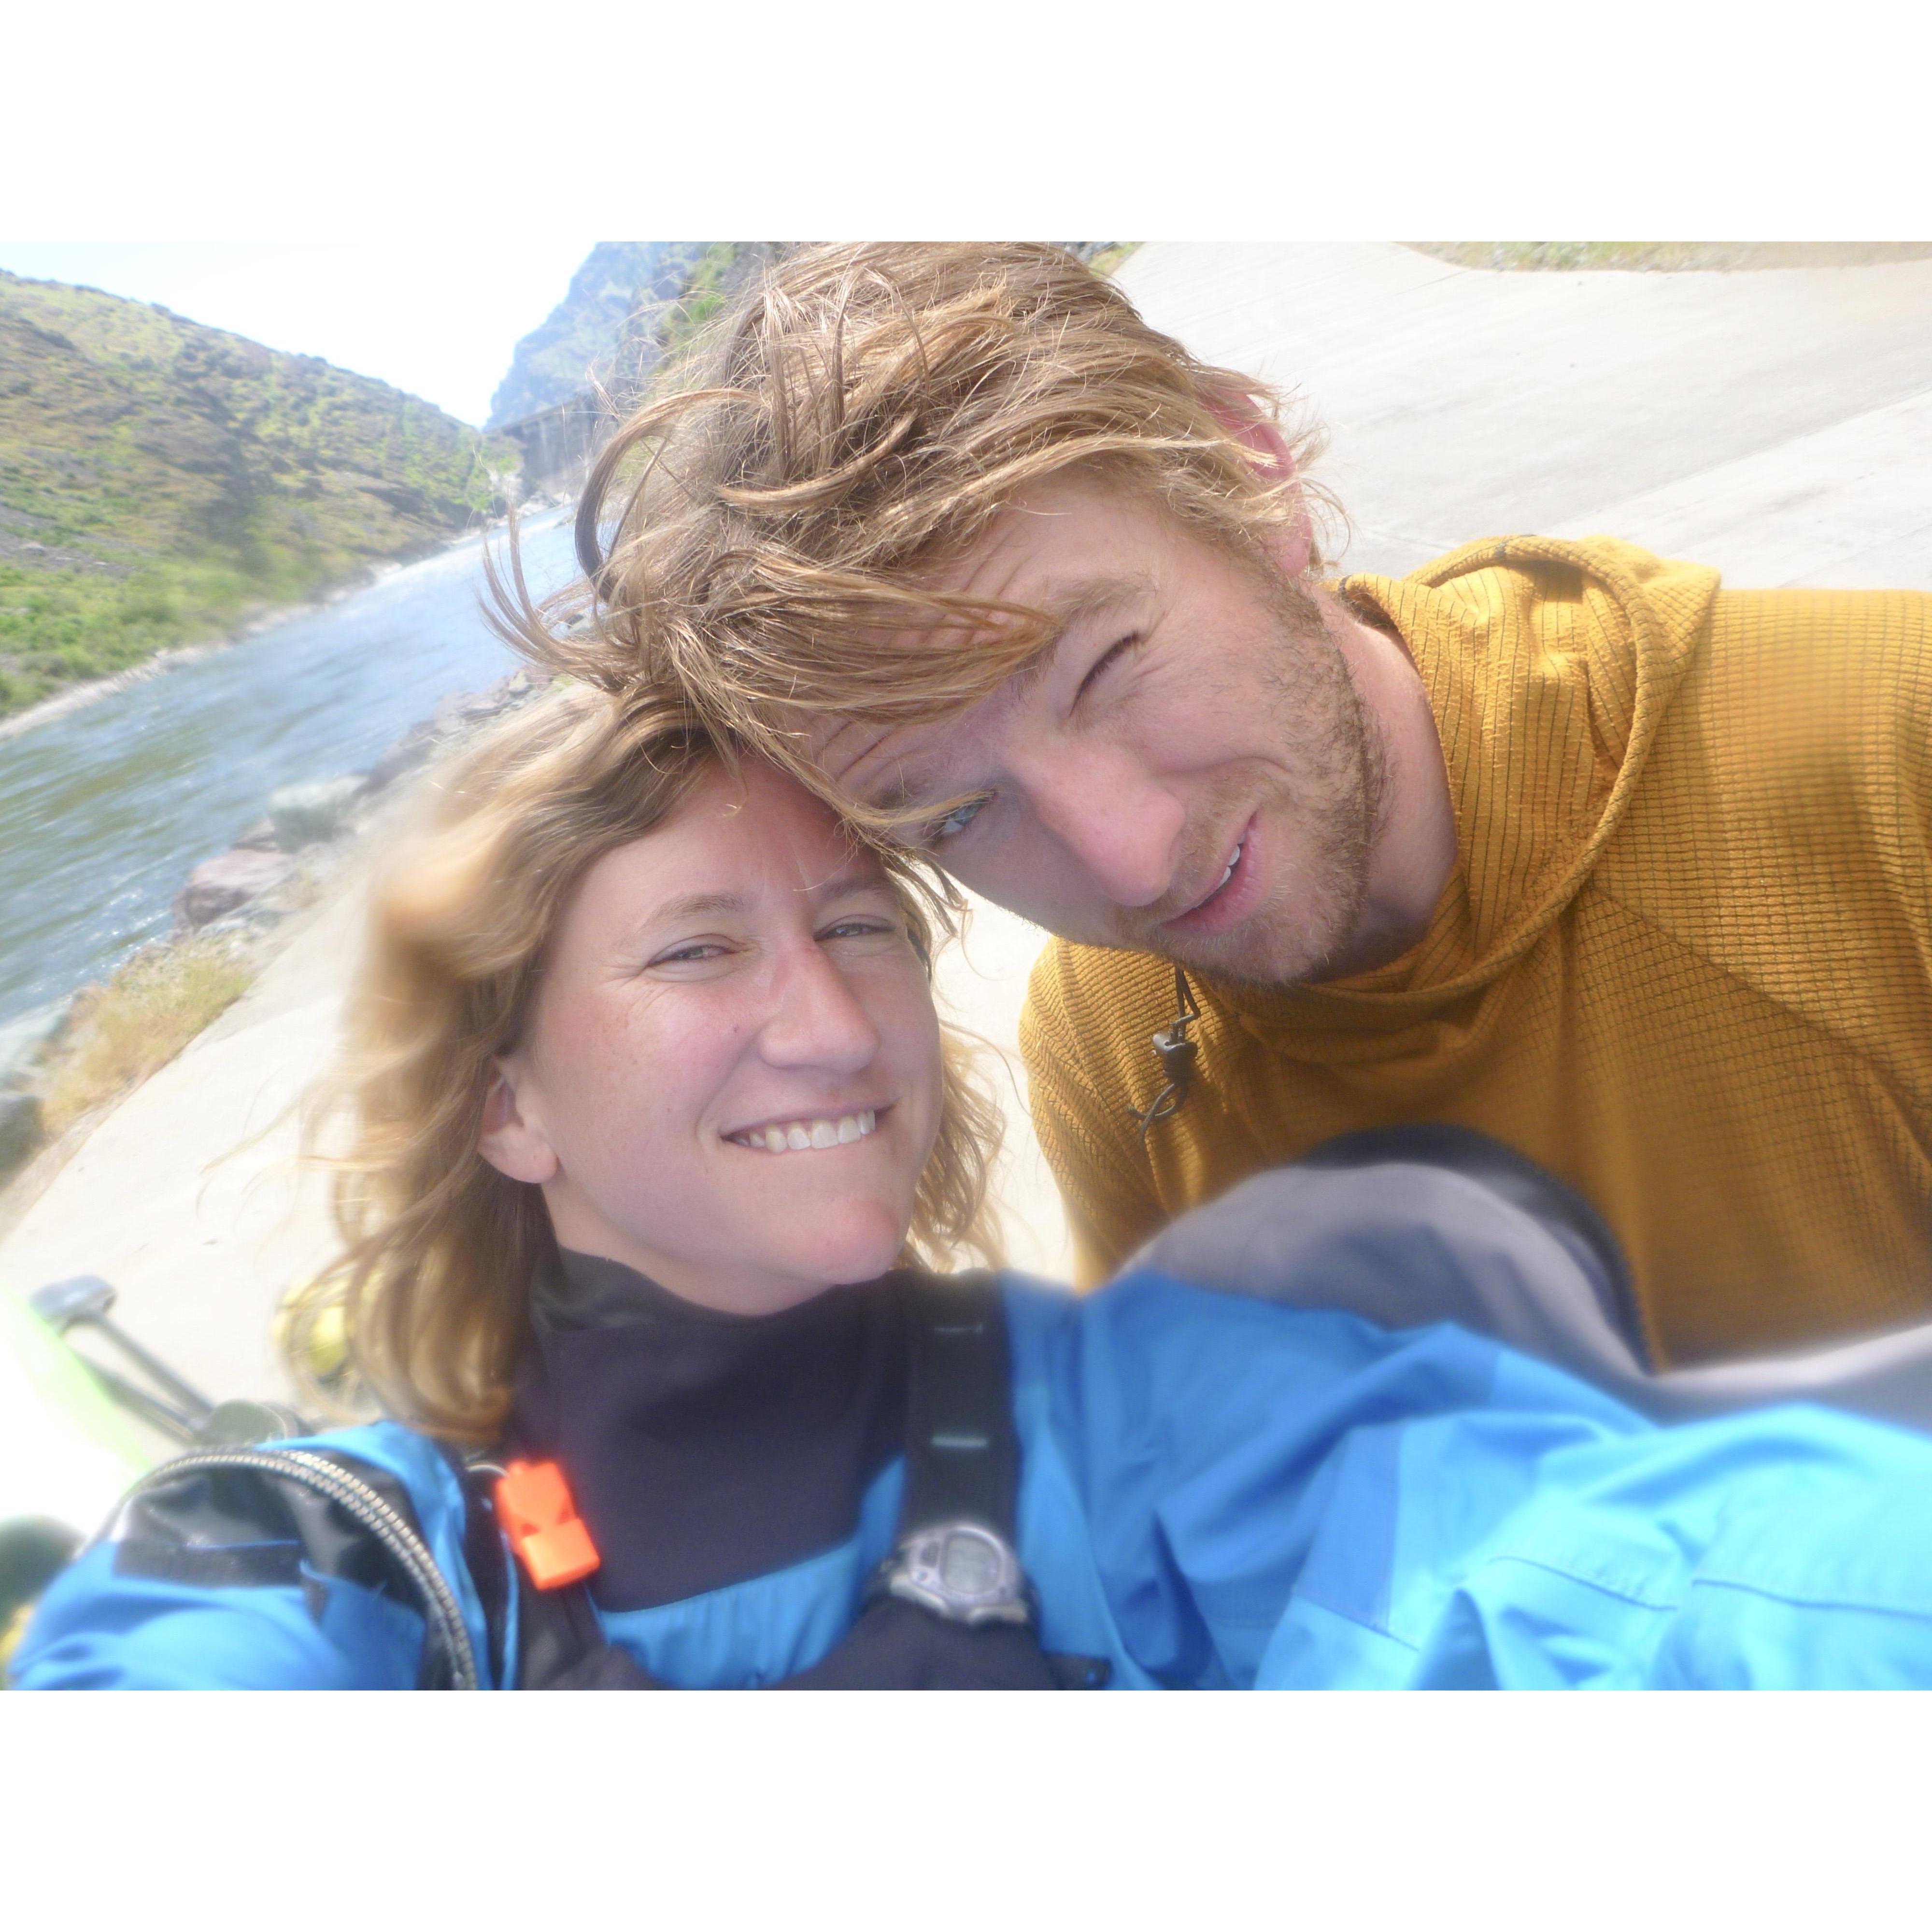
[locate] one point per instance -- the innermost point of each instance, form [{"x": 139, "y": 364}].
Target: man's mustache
[{"x": 1196, "y": 874}]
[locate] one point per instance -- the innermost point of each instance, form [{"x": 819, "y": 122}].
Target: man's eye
[
  {"x": 955, "y": 822},
  {"x": 1107, "y": 659}
]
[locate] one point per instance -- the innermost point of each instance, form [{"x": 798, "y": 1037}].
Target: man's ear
[
  {"x": 1290, "y": 545},
  {"x": 511, "y": 1144}
]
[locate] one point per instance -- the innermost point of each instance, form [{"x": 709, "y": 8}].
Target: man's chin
[
  {"x": 1255, "y": 953},
  {"x": 1262, "y": 967}
]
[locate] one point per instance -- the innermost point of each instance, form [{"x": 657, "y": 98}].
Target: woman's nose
[{"x": 816, "y": 1019}]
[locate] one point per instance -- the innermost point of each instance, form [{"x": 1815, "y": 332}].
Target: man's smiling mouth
[
  {"x": 1225, "y": 876},
  {"x": 806, "y": 1134},
  {"x": 1226, "y": 900}
]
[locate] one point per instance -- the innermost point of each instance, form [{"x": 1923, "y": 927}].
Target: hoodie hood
[{"x": 1548, "y": 665}]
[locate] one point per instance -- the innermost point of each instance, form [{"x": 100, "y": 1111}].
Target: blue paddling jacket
[{"x": 1213, "y": 1492}]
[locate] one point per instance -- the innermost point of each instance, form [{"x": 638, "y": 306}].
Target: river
[{"x": 105, "y": 810}]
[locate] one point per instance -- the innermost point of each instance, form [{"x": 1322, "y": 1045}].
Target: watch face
[
  {"x": 961, "y": 1571},
  {"x": 969, "y": 1565}
]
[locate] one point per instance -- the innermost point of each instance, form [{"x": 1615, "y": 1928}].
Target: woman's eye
[
  {"x": 856, "y": 929},
  {"x": 698, "y": 951},
  {"x": 955, "y": 822}
]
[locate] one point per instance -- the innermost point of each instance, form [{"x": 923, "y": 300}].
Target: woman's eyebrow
[{"x": 696, "y": 905}]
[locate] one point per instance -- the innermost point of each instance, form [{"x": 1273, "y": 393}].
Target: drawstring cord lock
[{"x": 1177, "y": 1054}]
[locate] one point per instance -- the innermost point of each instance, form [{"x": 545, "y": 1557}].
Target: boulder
[
  {"x": 19, "y": 1128},
  {"x": 404, "y": 755},
  {"x": 305, "y": 814},
  {"x": 218, "y": 886},
  {"x": 464, "y": 707},
  {"x": 255, "y": 916},
  {"x": 259, "y": 837}
]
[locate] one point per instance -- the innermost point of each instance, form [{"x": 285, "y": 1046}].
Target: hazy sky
[{"x": 436, "y": 316}]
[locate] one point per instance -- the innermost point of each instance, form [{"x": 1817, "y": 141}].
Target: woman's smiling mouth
[{"x": 806, "y": 1134}]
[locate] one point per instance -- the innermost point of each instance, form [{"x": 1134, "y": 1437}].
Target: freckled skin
[
  {"x": 658, "y": 1033},
  {"x": 1207, "y": 702}
]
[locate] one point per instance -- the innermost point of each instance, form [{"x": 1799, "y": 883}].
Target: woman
[{"x": 655, "y": 1128}]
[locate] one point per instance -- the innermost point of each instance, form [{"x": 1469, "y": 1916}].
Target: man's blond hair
[{"x": 759, "y": 540}]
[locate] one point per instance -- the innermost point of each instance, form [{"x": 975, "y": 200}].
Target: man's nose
[
  {"x": 1103, "y": 808},
  {"x": 816, "y": 1019}
]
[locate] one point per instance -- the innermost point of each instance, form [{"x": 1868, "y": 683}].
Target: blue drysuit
[{"x": 1221, "y": 1493}]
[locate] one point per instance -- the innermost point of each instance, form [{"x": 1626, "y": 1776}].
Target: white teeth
[
  {"x": 1231, "y": 864},
  {"x": 797, "y": 1135}
]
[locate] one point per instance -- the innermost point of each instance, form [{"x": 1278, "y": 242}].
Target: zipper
[{"x": 359, "y": 1501}]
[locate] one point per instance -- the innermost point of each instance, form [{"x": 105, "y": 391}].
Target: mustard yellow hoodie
[{"x": 1685, "y": 961}]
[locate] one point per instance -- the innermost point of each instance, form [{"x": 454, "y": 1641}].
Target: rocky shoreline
[
  {"x": 79, "y": 695},
  {"x": 239, "y": 898}
]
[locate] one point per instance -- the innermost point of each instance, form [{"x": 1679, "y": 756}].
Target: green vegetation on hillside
[
  {"x": 160, "y": 482},
  {"x": 706, "y": 285}
]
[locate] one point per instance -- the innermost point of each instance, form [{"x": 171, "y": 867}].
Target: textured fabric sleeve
[
  {"x": 224, "y": 1581},
  {"x": 1088, "y": 1142},
  {"x": 101, "y": 1628},
  {"x": 1233, "y": 1456}
]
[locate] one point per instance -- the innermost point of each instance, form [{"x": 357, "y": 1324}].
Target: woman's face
[{"x": 731, "y": 1079}]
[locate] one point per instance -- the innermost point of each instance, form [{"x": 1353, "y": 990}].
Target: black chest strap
[
  {"x": 962, "y": 1456},
  {"x": 949, "y": 1608}
]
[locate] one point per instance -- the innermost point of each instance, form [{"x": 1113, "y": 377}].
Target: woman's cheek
[
  {"x": 622, "y": 1074},
  {"x": 931, "y": 1061}
]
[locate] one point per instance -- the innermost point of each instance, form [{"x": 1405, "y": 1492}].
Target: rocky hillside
[
  {"x": 631, "y": 305},
  {"x": 160, "y": 482},
  {"x": 628, "y": 303}
]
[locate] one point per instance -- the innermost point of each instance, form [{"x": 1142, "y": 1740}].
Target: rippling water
[{"x": 104, "y": 812}]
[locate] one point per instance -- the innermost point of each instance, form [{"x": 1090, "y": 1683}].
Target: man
[{"x": 1557, "y": 842}]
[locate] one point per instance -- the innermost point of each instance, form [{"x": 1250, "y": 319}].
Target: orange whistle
[{"x": 533, "y": 1506}]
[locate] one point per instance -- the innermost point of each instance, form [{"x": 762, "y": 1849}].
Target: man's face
[{"x": 1188, "y": 771}]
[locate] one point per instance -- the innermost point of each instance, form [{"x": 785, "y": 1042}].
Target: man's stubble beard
[{"x": 1334, "y": 799}]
